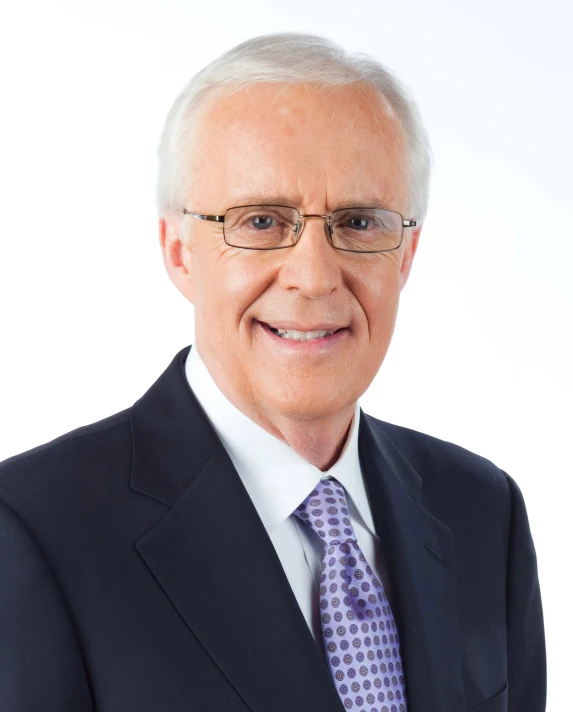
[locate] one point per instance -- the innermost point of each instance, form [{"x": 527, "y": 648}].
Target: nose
[{"x": 312, "y": 266}]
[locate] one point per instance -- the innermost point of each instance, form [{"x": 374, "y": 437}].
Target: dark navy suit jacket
[{"x": 137, "y": 576}]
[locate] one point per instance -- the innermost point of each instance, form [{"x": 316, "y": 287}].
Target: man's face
[{"x": 316, "y": 151}]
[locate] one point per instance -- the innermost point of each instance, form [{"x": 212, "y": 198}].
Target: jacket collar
[{"x": 172, "y": 438}]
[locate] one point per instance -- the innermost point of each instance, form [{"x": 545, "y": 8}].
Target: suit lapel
[
  {"x": 420, "y": 556},
  {"x": 214, "y": 560}
]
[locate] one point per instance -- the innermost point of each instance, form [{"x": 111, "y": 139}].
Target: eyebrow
[{"x": 281, "y": 199}]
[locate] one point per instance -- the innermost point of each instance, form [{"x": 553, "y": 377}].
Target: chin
[{"x": 304, "y": 401}]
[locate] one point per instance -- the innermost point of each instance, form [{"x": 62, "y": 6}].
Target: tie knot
[{"x": 325, "y": 510}]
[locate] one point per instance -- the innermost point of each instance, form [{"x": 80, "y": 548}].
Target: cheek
[
  {"x": 378, "y": 294},
  {"x": 378, "y": 291},
  {"x": 228, "y": 284}
]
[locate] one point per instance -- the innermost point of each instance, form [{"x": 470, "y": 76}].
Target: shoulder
[
  {"x": 446, "y": 469},
  {"x": 428, "y": 451},
  {"x": 71, "y": 460}
]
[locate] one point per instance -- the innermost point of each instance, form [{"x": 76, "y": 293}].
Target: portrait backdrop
[{"x": 482, "y": 352}]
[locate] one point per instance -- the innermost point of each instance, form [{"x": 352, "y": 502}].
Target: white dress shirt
[{"x": 278, "y": 479}]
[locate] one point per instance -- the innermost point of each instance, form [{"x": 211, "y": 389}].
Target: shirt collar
[{"x": 276, "y": 477}]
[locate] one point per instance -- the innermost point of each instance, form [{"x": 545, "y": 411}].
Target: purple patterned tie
[{"x": 359, "y": 630}]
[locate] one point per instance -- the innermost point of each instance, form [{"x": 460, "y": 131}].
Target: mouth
[{"x": 304, "y": 335}]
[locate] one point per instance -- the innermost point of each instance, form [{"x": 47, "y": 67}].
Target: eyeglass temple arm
[
  {"x": 409, "y": 223},
  {"x": 213, "y": 218}
]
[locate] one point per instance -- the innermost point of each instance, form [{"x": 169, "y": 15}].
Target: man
[{"x": 244, "y": 537}]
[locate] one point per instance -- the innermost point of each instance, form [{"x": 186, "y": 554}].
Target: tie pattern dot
[{"x": 360, "y": 635}]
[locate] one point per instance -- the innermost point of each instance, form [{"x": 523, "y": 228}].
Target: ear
[
  {"x": 177, "y": 256},
  {"x": 408, "y": 255}
]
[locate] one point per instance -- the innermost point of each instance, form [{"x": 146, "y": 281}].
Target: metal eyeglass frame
[{"x": 299, "y": 226}]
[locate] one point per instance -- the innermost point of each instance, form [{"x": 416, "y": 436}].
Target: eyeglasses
[{"x": 275, "y": 227}]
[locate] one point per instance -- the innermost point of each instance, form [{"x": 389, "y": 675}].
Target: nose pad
[
  {"x": 298, "y": 228},
  {"x": 328, "y": 230}
]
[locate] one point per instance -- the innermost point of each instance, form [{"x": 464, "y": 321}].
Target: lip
[{"x": 322, "y": 345}]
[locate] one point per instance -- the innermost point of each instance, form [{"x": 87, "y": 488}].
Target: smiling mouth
[{"x": 295, "y": 335}]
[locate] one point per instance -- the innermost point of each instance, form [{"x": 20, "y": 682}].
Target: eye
[
  {"x": 261, "y": 222},
  {"x": 358, "y": 222}
]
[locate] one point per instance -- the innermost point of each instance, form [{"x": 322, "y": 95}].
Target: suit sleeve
[
  {"x": 527, "y": 674},
  {"x": 40, "y": 663}
]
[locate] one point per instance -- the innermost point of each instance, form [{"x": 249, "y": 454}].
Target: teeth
[{"x": 301, "y": 335}]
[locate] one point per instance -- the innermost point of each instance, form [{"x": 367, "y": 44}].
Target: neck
[{"x": 319, "y": 441}]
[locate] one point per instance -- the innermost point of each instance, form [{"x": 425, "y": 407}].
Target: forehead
[{"x": 307, "y": 144}]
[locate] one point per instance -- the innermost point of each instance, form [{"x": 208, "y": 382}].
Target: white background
[{"x": 482, "y": 353}]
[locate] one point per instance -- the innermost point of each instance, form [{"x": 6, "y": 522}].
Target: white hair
[{"x": 293, "y": 58}]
